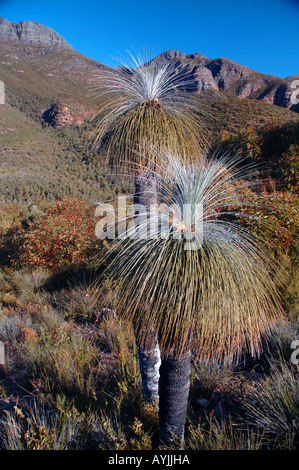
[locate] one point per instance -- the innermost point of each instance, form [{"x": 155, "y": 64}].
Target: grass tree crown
[
  {"x": 221, "y": 288},
  {"x": 147, "y": 104}
]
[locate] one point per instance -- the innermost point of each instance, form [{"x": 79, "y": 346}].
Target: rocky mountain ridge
[
  {"x": 31, "y": 34},
  {"x": 222, "y": 77},
  {"x": 43, "y": 72}
]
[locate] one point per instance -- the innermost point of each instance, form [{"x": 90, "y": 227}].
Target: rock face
[
  {"x": 31, "y": 34},
  {"x": 60, "y": 115},
  {"x": 226, "y": 72},
  {"x": 226, "y": 78}
]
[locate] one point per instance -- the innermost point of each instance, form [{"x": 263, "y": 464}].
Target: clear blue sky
[{"x": 261, "y": 34}]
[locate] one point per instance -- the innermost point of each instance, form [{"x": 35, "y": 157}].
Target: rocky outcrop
[
  {"x": 59, "y": 115},
  {"x": 170, "y": 55},
  {"x": 205, "y": 80},
  {"x": 226, "y": 72},
  {"x": 226, "y": 78},
  {"x": 247, "y": 87},
  {"x": 32, "y": 34}
]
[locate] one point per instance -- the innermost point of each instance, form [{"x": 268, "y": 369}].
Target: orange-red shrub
[
  {"x": 63, "y": 236},
  {"x": 275, "y": 220}
]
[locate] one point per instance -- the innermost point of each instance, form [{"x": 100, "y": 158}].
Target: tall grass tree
[{"x": 146, "y": 106}]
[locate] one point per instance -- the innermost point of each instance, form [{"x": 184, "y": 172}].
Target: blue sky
[{"x": 261, "y": 34}]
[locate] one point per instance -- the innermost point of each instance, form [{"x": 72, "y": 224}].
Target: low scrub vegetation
[{"x": 71, "y": 378}]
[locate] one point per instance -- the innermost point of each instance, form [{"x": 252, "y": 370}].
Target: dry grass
[{"x": 75, "y": 385}]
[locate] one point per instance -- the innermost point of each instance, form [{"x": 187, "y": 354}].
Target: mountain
[
  {"x": 223, "y": 77},
  {"x": 32, "y": 34},
  {"x": 46, "y": 81},
  {"x": 47, "y": 118},
  {"x": 45, "y": 77}
]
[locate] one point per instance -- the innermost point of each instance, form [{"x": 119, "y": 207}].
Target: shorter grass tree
[{"x": 204, "y": 285}]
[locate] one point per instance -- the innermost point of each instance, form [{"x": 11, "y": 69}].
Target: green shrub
[{"x": 275, "y": 219}]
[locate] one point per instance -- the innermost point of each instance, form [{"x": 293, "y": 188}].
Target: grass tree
[
  {"x": 146, "y": 107},
  {"x": 203, "y": 283}
]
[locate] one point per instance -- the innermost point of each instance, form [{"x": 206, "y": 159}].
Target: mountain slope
[
  {"x": 41, "y": 163},
  {"x": 35, "y": 78},
  {"x": 46, "y": 121}
]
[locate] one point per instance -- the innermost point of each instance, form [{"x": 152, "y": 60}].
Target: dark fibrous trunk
[
  {"x": 168, "y": 379},
  {"x": 174, "y": 385}
]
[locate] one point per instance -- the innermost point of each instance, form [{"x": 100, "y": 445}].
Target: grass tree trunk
[
  {"x": 174, "y": 386},
  {"x": 148, "y": 347},
  {"x": 149, "y": 362}
]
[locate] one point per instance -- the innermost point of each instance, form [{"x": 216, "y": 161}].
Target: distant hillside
[
  {"x": 47, "y": 119},
  {"x": 40, "y": 163},
  {"x": 224, "y": 78},
  {"x": 37, "y": 77},
  {"x": 37, "y": 63}
]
